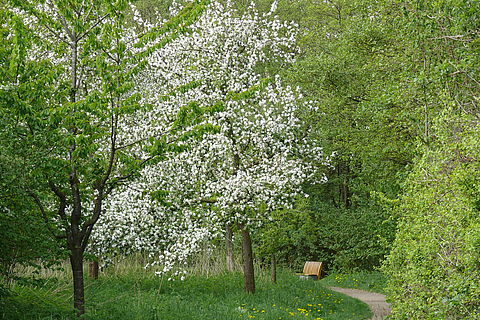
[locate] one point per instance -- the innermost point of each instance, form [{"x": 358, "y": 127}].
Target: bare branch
[
  {"x": 127, "y": 176},
  {"x": 57, "y": 35},
  {"x": 67, "y": 29},
  {"x": 93, "y": 26},
  {"x": 63, "y": 200},
  {"x": 40, "y": 206},
  {"x": 110, "y": 56},
  {"x": 87, "y": 227},
  {"x": 142, "y": 140},
  {"x": 89, "y": 12}
]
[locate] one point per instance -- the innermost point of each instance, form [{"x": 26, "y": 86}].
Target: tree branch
[
  {"x": 63, "y": 200},
  {"x": 57, "y": 35},
  {"x": 63, "y": 22},
  {"x": 92, "y": 27},
  {"x": 40, "y": 206}
]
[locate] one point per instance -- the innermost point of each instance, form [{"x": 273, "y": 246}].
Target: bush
[
  {"x": 434, "y": 266},
  {"x": 24, "y": 241},
  {"x": 356, "y": 236},
  {"x": 344, "y": 239}
]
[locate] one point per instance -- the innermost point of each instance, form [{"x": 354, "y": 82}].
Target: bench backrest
[{"x": 312, "y": 268}]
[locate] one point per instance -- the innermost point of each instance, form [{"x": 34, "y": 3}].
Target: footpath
[{"x": 375, "y": 301}]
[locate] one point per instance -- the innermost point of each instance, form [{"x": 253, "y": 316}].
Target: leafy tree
[
  {"x": 433, "y": 266},
  {"x": 69, "y": 91},
  {"x": 347, "y": 66},
  {"x": 25, "y": 238}
]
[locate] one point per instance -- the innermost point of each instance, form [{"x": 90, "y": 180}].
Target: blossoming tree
[{"x": 250, "y": 159}]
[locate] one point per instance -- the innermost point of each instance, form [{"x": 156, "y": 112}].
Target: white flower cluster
[{"x": 252, "y": 163}]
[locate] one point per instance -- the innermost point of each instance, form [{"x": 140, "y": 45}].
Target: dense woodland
[{"x": 266, "y": 132}]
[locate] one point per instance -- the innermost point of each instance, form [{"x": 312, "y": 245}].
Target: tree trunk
[
  {"x": 343, "y": 171},
  {"x": 248, "y": 271},
  {"x": 229, "y": 248},
  {"x": 274, "y": 269},
  {"x": 345, "y": 194},
  {"x": 93, "y": 270},
  {"x": 76, "y": 261}
]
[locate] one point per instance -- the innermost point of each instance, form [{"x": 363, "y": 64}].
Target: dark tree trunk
[
  {"x": 274, "y": 269},
  {"x": 345, "y": 194},
  {"x": 93, "y": 270},
  {"x": 343, "y": 172},
  {"x": 76, "y": 261},
  {"x": 229, "y": 248},
  {"x": 247, "y": 251}
]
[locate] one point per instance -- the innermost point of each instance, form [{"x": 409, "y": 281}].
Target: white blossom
[{"x": 252, "y": 163}]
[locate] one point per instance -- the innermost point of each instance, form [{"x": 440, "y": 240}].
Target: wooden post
[
  {"x": 274, "y": 269},
  {"x": 93, "y": 270}
]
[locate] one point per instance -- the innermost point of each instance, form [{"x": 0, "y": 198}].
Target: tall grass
[
  {"x": 131, "y": 295},
  {"x": 125, "y": 290}
]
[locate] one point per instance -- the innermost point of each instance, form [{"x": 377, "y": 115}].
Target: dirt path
[{"x": 375, "y": 301}]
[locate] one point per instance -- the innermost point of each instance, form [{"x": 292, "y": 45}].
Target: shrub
[
  {"x": 344, "y": 239},
  {"x": 434, "y": 266}
]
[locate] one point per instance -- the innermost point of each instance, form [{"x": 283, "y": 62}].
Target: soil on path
[{"x": 376, "y": 301}]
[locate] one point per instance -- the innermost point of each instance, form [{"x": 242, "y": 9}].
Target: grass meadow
[{"x": 133, "y": 293}]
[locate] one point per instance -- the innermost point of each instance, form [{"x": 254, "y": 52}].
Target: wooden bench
[{"x": 312, "y": 269}]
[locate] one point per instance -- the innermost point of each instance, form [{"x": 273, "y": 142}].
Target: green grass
[
  {"x": 27, "y": 302},
  {"x": 143, "y": 296},
  {"x": 369, "y": 281}
]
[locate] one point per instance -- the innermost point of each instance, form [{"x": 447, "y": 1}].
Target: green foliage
[
  {"x": 66, "y": 86},
  {"x": 344, "y": 239},
  {"x": 138, "y": 295},
  {"x": 354, "y": 238},
  {"x": 433, "y": 266},
  {"x": 30, "y": 302},
  {"x": 368, "y": 116},
  {"x": 4, "y": 294},
  {"x": 434, "y": 263},
  {"x": 25, "y": 241},
  {"x": 395, "y": 84},
  {"x": 351, "y": 65},
  {"x": 291, "y": 237},
  {"x": 25, "y": 238}
]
